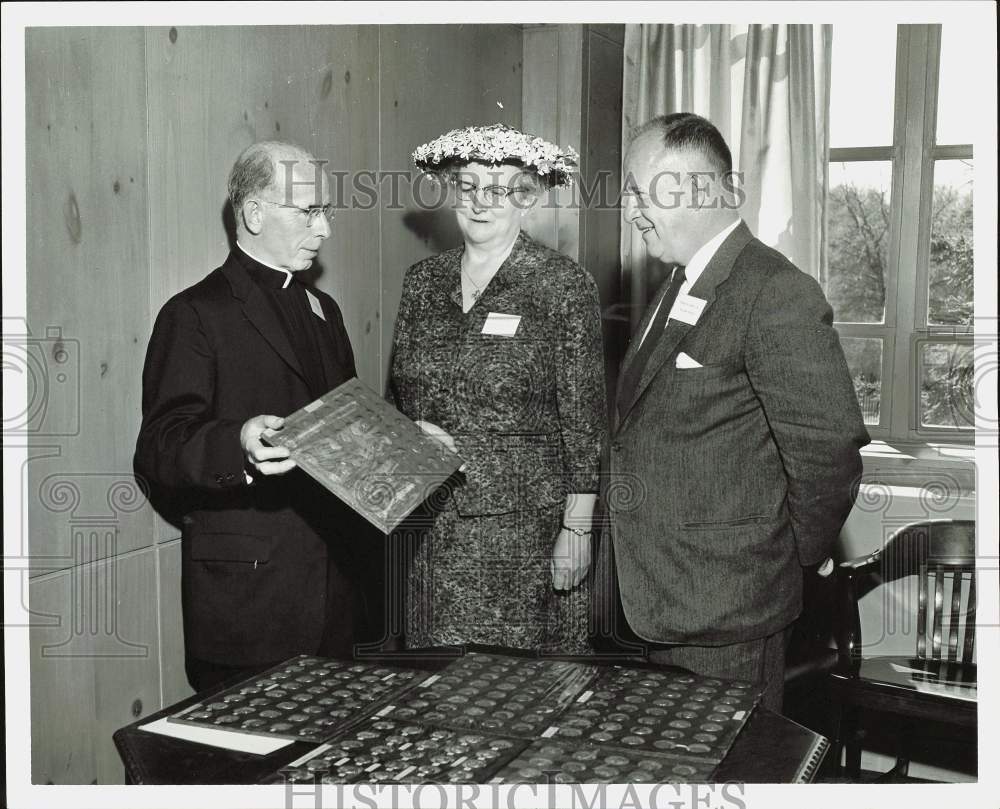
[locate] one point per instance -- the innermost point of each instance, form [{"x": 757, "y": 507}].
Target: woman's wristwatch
[{"x": 578, "y": 531}]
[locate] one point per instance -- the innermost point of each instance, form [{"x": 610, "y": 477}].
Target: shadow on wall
[{"x": 435, "y": 227}]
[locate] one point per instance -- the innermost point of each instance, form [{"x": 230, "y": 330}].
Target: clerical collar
[{"x": 286, "y": 273}]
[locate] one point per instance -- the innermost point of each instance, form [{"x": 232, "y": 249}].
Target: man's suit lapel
[
  {"x": 259, "y": 313},
  {"x": 716, "y": 271}
]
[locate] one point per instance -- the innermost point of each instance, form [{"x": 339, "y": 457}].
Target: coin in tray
[
  {"x": 495, "y": 694},
  {"x": 389, "y": 751},
  {"x": 658, "y": 711},
  {"x": 552, "y": 761},
  {"x": 306, "y": 698}
]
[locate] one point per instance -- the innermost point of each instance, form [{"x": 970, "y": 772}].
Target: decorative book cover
[{"x": 366, "y": 452}]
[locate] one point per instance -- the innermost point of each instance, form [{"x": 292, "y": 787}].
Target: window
[{"x": 898, "y": 270}]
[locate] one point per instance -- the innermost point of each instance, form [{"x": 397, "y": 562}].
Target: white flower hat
[{"x": 498, "y": 144}]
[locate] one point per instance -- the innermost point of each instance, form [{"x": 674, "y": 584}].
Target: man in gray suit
[{"x": 736, "y": 420}]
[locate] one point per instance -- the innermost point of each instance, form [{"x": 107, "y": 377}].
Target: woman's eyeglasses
[{"x": 494, "y": 194}]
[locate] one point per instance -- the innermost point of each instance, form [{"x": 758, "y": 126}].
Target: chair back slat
[
  {"x": 938, "y": 605},
  {"x": 970, "y": 622},
  {"x": 922, "y": 614},
  {"x": 957, "y": 582}
]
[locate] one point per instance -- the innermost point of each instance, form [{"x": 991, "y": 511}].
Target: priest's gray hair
[{"x": 255, "y": 170}]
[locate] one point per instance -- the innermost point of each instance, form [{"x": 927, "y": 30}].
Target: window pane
[
  {"x": 864, "y": 358},
  {"x": 949, "y": 277},
  {"x": 946, "y": 398},
  {"x": 862, "y": 82},
  {"x": 857, "y": 255},
  {"x": 955, "y": 93}
]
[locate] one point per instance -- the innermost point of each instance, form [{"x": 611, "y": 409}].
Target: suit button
[
  {"x": 229, "y": 475},
  {"x": 617, "y": 446},
  {"x": 218, "y": 478}
]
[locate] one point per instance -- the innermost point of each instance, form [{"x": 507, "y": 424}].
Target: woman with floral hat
[{"x": 498, "y": 354}]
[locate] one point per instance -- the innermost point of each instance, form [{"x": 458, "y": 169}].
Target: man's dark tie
[{"x": 641, "y": 358}]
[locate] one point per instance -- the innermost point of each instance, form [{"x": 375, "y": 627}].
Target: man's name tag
[
  {"x": 501, "y": 324},
  {"x": 314, "y": 304},
  {"x": 687, "y": 309}
]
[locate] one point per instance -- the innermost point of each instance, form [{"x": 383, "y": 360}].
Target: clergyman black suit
[{"x": 264, "y": 575}]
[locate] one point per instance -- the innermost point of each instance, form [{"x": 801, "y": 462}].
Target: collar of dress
[{"x": 519, "y": 265}]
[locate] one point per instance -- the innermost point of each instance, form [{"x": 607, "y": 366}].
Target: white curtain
[{"x": 767, "y": 89}]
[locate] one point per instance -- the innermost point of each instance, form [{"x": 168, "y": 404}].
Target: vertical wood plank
[
  {"x": 173, "y": 679},
  {"x": 93, "y": 669},
  {"x": 569, "y": 132},
  {"x": 600, "y": 225},
  {"x": 542, "y": 99},
  {"x": 87, "y": 244}
]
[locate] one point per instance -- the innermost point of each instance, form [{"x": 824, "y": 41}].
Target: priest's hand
[
  {"x": 570, "y": 559},
  {"x": 260, "y": 458}
]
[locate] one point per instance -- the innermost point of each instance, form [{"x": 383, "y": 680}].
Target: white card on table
[
  {"x": 501, "y": 324},
  {"x": 314, "y": 304},
  {"x": 687, "y": 309}
]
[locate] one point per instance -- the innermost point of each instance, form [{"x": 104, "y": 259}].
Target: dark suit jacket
[
  {"x": 727, "y": 479},
  {"x": 254, "y": 557}
]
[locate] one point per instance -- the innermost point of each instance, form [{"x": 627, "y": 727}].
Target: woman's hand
[
  {"x": 570, "y": 559},
  {"x": 438, "y": 435}
]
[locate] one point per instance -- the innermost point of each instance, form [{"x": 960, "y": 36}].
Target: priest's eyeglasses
[{"x": 312, "y": 213}]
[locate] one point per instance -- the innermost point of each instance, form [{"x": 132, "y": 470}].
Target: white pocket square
[{"x": 684, "y": 361}]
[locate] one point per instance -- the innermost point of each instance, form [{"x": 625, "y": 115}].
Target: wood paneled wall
[{"x": 130, "y": 136}]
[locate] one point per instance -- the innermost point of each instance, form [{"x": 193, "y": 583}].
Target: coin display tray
[
  {"x": 552, "y": 761},
  {"x": 494, "y": 694},
  {"x": 306, "y": 698},
  {"x": 657, "y": 711},
  {"x": 388, "y": 751}
]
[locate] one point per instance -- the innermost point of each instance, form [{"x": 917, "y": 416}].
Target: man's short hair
[
  {"x": 685, "y": 130},
  {"x": 255, "y": 169}
]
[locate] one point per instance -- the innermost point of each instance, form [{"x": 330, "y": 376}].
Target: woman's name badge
[
  {"x": 501, "y": 324},
  {"x": 687, "y": 309}
]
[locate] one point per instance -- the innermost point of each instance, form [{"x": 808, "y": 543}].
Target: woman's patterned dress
[{"x": 527, "y": 412}]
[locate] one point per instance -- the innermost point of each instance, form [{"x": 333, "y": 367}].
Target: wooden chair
[{"x": 939, "y": 682}]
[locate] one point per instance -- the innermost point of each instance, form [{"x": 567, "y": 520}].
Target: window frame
[{"x": 913, "y": 154}]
